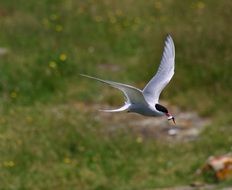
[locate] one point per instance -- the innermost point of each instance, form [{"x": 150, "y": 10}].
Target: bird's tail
[{"x": 123, "y": 108}]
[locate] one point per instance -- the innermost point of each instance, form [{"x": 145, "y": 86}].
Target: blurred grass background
[{"x": 47, "y": 143}]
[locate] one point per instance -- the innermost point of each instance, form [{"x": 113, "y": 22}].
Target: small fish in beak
[
  {"x": 170, "y": 117},
  {"x": 173, "y": 119}
]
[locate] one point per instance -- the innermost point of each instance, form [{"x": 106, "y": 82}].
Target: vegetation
[{"x": 50, "y": 139}]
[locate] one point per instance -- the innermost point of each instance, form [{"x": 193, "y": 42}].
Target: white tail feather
[{"x": 123, "y": 108}]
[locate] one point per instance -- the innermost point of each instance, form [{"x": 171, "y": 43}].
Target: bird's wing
[
  {"x": 132, "y": 94},
  {"x": 164, "y": 74}
]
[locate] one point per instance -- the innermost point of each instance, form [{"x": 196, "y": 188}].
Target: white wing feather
[
  {"x": 132, "y": 94},
  {"x": 164, "y": 74}
]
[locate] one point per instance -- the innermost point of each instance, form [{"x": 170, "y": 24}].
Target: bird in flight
[{"x": 146, "y": 101}]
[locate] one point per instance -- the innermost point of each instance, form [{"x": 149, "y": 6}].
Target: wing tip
[
  {"x": 169, "y": 40},
  {"x": 83, "y": 75},
  {"x": 90, "y": 77},
  {"x": 169, "y": 37}
]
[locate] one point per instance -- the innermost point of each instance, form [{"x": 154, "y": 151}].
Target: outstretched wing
[
  {"x": 164, "y": 74},
  {"x": 132, "y": 94}
]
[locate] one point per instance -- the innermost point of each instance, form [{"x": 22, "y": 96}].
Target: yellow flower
[
  {"x": 98, "y": 18},
  {"x": 13, "y": 94},
  {"x": 81, "y": 148},
  {"x": 9, "y": 164},
  {"x": 59, "y": 28},
  {"x": 67, "y": 160},
  {"x": 63, "y": 57},
  {"x": 52, "y": 64},
  {"x": 113, "y": 19},
  {"x": 200, "y": 5},
  {"x": 139, "y": 140}
]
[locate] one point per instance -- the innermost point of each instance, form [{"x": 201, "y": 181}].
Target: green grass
[{"x": 47, "y": 140}]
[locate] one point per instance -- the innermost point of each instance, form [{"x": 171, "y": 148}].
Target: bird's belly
[{"x": 146, "y": 111}]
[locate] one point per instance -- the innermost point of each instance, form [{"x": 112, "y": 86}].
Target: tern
[{"x": 146, "y": 101}]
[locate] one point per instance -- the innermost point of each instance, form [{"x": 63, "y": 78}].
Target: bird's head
[{"x": 165, "y": 112}]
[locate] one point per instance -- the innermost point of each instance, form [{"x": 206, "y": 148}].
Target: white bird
[{"x": 146, "y": 101}]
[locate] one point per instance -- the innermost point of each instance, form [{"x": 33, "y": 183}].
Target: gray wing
[
  {"x": 164, "y": 74},
  {"x": 132, "y": 94}
]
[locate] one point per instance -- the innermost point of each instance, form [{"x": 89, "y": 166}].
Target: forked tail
[{"x": 123, "y": 108}]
